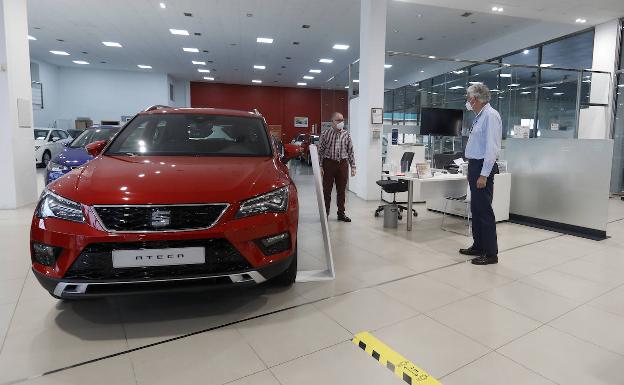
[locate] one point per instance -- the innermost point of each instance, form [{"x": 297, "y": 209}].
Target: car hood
[
  {"x": 170, "y": 180},
  {"x": 72, "y": 157}
]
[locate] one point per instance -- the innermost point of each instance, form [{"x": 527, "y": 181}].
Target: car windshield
[
  {"x": 92, "y": 135},
  {"x": 192, "y": 135},
  {"x": 41, "y": 134}
]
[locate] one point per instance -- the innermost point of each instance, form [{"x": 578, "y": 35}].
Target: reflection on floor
[{"x": 551, "y": 312}]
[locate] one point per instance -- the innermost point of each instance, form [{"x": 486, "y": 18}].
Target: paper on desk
[{"x": 459, "y": 161}]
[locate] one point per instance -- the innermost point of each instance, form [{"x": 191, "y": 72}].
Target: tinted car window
[
  {"x": 41, "y": 134},
  {"x": 192, "y": 134},
  {"x": 63, "y": 134},
  {"x": 92, "y": 135}
]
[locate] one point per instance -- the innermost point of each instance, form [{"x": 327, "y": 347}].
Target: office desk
[{"x": 434, "y": 191}]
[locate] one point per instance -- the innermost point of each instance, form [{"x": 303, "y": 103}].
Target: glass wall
[
  {"x": 541, "y": 97},
  {"x": 617, "y": 171}
]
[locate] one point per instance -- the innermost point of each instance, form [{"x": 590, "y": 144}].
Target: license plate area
[{"x": 158, "y": 257}]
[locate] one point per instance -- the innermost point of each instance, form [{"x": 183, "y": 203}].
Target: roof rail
[
  {"x": 155, "y": 107},
  {"x": 255, "y": 111}
]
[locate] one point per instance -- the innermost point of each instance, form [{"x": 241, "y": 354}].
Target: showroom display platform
[{"x": 555, "y": 295}]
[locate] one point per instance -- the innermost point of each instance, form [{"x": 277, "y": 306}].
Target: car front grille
[
  {"x": 96, "y": 261},
  {"x": 159, "y": 217}
]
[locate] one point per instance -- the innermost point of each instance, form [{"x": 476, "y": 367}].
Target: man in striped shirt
[{"x": 336, "y": 155}]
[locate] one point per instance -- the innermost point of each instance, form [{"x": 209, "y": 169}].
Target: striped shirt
[{"x": 336, "y": 144}]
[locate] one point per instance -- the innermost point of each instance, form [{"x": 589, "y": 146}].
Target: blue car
[{"x": 75, "y": 155}]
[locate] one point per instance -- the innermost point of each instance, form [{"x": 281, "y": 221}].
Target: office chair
[{"x": 396, "y": 186}]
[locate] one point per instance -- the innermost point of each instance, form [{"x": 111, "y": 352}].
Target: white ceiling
[{"x": 142, "y": 27}]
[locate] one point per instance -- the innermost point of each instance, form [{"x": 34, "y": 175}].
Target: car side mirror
[
  {"x": 291, "y": 151},
  {"x": 94, "y": 149}
]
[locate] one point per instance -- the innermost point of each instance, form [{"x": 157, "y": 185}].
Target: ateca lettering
[{"x": 158, "y": 256}]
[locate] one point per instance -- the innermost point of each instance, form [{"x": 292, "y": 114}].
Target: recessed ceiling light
[
  {"x": 387, "y": 65},
  {"x": 422, "y": 71},
  {"x": 199, "y": 63},
  {"x": 208, "y": 78},
  {"x": 308, "y": 77},
  {"x": 315, "y": 71},
  {"x": 549, "y": 88},
  {"x": 194, "y": 50},
  {"x": 525, "y": 92},
  {"x": 546, "y": 65},
  {"x": 505, "y": 75},
  {"x": 356, "y": 80},
  {"x": 431, "y": 57},
  {"x": 302, "y": 84},
  {"x": 497, "y": 9},
  {"x": 581, "y": 21},
  {"x": 620, "y": 85},
  {"x": 513, "y": 85},
  {"x": 328, "y": 61},
  {"x": 396, "y": 80},
  {"x": 259, "y": 67},
  {"x": 143, "y": 66},
  {"x": 456, "y": 88},
  {"x": 80, "y": 62},
  {"x": 256, "y": 81},
  {"x": 163, "y": 5},
  {"x": 111, "y": 44},
  {"x": 62, "y": 53},
  {"x": 346, "y": 86},
  {"x": 265, "y": 40},
  {"x": 182, "y": 32},
  {"x": 203, "y": 70},
  {"x": 31, "y": 37},
  {"x": 558, "y": 93},
  {"x": 475, "y": 82},
  {"x": 340, "y": 46},
  {"x": 526, "y": 52},
  {"x": 459, "y": 72}
]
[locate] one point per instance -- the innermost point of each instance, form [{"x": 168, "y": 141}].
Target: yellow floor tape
[{"x": 402, "y": 367}]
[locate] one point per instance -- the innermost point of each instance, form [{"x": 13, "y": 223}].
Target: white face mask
[
  {"x": 468, "y": 106},
  {"x": 340, "y": 125}
]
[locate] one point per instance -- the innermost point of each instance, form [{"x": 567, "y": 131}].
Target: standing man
[
  {"x": 336, "y": 155},
  {"x": 482, "y": 150}
]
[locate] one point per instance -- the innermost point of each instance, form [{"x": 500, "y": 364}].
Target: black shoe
[
  {"x": 343, "y": 218},
  {"x": 485, "y": 260},
  {"x": 470, "y": 251}
]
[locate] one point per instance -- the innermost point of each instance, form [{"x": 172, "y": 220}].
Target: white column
[
  {"x": 595, "y": 122},
  {"x": 371, "y": 87},
  {"x": 17, "y": 158}
]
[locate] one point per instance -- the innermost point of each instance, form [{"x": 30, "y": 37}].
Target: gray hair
[
  {"x": 333, "y": 116},
  {"x": 480, "y": 91}
]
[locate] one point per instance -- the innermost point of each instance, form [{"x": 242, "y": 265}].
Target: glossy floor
[{"x": 551, "y": 312}]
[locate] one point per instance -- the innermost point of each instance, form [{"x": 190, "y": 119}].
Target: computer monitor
[{"x": 441, "y": 121}]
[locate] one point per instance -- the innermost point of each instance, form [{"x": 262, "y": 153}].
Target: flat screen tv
[{"x": 441, "y": 121}]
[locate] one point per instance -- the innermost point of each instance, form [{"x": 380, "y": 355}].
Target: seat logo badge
[{"x": 161, "y": 218}]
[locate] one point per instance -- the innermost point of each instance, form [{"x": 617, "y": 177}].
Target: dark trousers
[
  {"x": 483, "y": 220},
  {"x": 335, "y": 172}
]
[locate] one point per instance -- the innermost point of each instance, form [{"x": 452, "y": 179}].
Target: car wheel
[
  {"x": 288, "y": 276},
  {"x": 45, "y": 159}
]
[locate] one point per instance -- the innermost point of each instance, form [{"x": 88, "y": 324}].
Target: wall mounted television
[{"x": 441, "y": 121}]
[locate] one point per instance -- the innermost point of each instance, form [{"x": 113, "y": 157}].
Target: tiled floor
[{"x": 551, "y": 312}]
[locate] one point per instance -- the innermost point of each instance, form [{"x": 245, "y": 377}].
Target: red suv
[{"x": 179, "y": 198}]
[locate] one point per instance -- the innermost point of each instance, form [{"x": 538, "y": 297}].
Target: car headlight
[
  {"x": 37, "y": 147},
  {"x": 54, "y": 206},
  {"x": 55, "y": 167},
  {"x": 275, "y": 201}
]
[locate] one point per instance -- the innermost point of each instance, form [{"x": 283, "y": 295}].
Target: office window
[{"x": 571, "y": 52}]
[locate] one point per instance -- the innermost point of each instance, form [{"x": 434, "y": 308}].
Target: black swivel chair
[{"x": 396, "y": 186}]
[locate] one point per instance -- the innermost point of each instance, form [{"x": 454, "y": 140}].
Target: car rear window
[
  {"x": 192, "y": 135},
  {"x": 92, "y": 135}
]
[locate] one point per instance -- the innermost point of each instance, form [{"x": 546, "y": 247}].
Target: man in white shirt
[{"x": 484, "y": 144}]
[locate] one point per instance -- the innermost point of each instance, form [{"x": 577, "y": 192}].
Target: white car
[{"x": 48, "y": 143}]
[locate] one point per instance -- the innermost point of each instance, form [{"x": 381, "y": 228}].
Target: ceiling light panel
[
  {"x": 112, "y": 44},
  {"x": 203, "y": 70},
  {"x": 199, "y": 63},
  {"x": 387, "y": 66},
  {"x": 62, "y": 53},
  {"x": 208, "y": 78},
  {"x": 144, "y": 66},
  {"x": 82, "y": 62},
  {"x": 302, "y": 84},
  {"x": 31, "y": 37},
  {"x": 326, "y": 61},
  {"x": 315, "y": 71},
  {"x": 342, "y": 47},
  {"x": 264, "y": 40},
  {"x": 163, "y": 5},
  {"x": 181, "y": 32},
  {"x": 308, "y": 77},
  {"x": 192, "y": 50},
  {"x": 259, "y": 67},
  {"x": 256, "y": 81}
]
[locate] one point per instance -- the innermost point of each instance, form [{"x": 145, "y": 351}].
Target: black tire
[
  {"x": 45, "y": 158},
  {"x": 288, "y": 276}
]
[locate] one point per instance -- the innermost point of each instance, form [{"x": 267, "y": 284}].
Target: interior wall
[
  {"x": 49, "y": 77},
  {"x": 180, "y": 92},
  {"x": 278, "y": 105}
]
